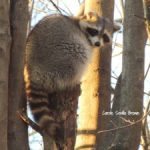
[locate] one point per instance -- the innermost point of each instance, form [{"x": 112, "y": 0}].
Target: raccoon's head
[{"x": 95, "y": 32}]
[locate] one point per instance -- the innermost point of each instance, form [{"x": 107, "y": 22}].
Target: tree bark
[
  {"x": 95, "y": 89},
  {"x": 107, "y": 136},
  {"x": 17, "y": 129},
  {"x": 64, "y": 106},
  {"x": 107, "y": 10},
  {"x": 88, "y": 106},
  {"x": 132, "y": 78},
  {"x": 49, "y": 143},
  {"x": 4, "y": 67}
]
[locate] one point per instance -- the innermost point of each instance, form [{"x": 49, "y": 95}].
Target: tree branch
[
  {"x": 29, "y": 122},
  {"x": 125, "y": 126}
]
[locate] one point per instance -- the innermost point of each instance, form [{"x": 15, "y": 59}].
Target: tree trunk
[
  {"x": 132, "y": 78},
  {"x": 64, "y": 110},
  {"x": 49, "y": 143},
  {"x": 89, "y": 99},
  {"x": 88, "y": 106},
  {"x": 107, "y": 10},
  {"x": 4, "y": 66},
  {"x": 17, "y": 130}
]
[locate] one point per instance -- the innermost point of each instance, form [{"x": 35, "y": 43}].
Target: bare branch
[
  {"x": 147, "y": 71},
  {"x": 122, "y": 7},
  {"x": 145, "y": 134},
  {"x": 29, "y": 122},
  {"x": 125, "y": 126},
  {"x": 55, "y": 6},
  {"x": 30, "y": 14},
  {"x": 70, "y": 13}
]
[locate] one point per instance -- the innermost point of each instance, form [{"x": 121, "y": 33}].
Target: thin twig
[
  {"x": 55, "y": 6},
  {"x": 144, "y": 133},
  {"x": 119, "y": 12},
  {"x": 140, "y": 17},
  {"x": 31, "y": 13},
  {"x": 70, "y": 13},
  {"x": 125, "y": 126},
  {"x": 146, "y": 93},
  {"x": 46, "y": 5},
  {"x": 122, "y": 8},
  {"x": 148, "y": 68},
  {"x": 40, "y": 10}
]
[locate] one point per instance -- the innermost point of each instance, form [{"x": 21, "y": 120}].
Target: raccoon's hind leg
[{"x": 39, "y": 104}]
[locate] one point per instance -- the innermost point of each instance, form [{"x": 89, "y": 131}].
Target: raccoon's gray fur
[{"x": 58, "y": 50}]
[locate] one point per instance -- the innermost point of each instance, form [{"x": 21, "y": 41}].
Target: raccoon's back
[
  {"x": 54, "y": 40},
  {"x": 56, "y": 52}
]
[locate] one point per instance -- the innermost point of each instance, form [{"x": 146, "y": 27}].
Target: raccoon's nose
[{"x": 97, "y": 44}]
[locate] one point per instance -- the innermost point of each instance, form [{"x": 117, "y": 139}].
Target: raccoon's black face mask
[{"x": 97, "y": 37}]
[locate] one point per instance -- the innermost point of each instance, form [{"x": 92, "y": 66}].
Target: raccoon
[{"x": 58, "y": 49}]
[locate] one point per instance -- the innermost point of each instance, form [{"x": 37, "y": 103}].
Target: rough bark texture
[
  {"x": 92, "y": 99},
  {"x": 49, "y": 143},
  {"x": 108, "y": 137},
  {"x": 89, "y": 105},
  {"x": 132, "y": 77},
  {"x": 107, "y": 9},
  {"x": 96, "y": 98},
  {"x": 70, "y": 124},
  {"x": 64, "y": 106},
  {"x": 4, "y": 66},
  {"x": 17, "y": 130}
]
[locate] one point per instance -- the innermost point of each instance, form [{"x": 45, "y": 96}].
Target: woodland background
[{"x": 118, "y": 79}]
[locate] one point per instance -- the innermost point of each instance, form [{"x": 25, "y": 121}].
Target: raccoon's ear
[
  {"x": 116, "y": 27},
  {"x": 83, "y": 25},
  {"x": 109, "y": 25}
]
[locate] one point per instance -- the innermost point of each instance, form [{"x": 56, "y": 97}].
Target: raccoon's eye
[
  {"x": 106, "y": 38},
  {"x": 92, "y": 32}
]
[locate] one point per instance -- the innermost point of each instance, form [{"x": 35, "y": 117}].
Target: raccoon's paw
[
  {"x": 52, "y": 129},
  {"x": 48, "y": 125},
  {"x": 56, "y": 131}
]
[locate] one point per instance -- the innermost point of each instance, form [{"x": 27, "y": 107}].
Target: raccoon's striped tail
[{"x": 39, "y": 104}]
